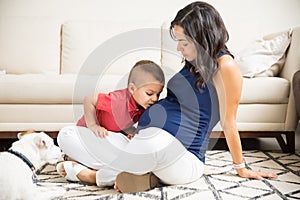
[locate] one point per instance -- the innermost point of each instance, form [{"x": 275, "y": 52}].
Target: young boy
[{"x": 117, "y": 111}]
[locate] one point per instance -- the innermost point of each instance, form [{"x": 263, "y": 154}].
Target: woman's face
[{"x": 187, "y": 48}]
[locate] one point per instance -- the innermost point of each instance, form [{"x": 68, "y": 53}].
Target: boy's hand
[
  {"x": 129, "y": 136},
  {"x": 130, "y": 132},
  {"x": 99, "y": 131}
]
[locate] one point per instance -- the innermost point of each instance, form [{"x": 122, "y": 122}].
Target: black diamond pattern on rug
[{"x": 218, "y": 182}]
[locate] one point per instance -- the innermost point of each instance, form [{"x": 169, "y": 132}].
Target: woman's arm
[{"x": 228, "y": 83}]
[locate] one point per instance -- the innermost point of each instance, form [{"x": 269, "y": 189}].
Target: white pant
[{"x": 152, "y": 149}]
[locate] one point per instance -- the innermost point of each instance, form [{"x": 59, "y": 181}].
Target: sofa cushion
[
  {"x": 39, "y": 117},
  {"x": 55, "y": 89},
  {"x": 265, "y": 90},
  {"x": 36, "y": 88},
  {"x": 68, "y": 88},
  {"x": 30, "y": 45},
  {"x": 80, "y": 38},
  {"x": 259, "y": 117}
]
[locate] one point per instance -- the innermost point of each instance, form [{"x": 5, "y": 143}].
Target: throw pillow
[{"x": 264, "y": 57}]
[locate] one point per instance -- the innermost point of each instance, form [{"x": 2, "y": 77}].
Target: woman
[{"x": 174, "y": 133}]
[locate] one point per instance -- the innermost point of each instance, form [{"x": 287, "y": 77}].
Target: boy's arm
[
  {"x": 89, "y": 106},
  {"x": 91, "y": 121}
]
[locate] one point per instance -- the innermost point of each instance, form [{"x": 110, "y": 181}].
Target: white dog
[{"x": 18, "y": 165}]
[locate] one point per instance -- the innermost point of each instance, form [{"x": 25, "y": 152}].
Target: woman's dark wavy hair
[{"x": 203, "y": 26}]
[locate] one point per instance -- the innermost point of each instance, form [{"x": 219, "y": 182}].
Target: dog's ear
[
  {"x": 40, "y": 142},
  {"x": 21, "y": 134}
]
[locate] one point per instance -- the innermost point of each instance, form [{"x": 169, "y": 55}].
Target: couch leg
[
  {"x": 289, "y": 145},
  {"x": 290, "y": 140}
]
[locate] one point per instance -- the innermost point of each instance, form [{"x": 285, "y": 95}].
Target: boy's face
[{"x": 147, "y": 94}]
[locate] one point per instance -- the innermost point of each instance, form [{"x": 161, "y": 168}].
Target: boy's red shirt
[{"x": 116, "y": 111}]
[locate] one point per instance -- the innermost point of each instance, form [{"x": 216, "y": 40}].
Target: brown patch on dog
[{"x": 27, "y": 132}]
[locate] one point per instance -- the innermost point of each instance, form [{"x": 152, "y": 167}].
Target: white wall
[{"x": 245, "y": 20}]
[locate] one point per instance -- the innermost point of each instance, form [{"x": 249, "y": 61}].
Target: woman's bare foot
[
  {"x": 86, "y": 175},
  {"x": 116, "y": 187},
  {"x": 68, "y": 158}
]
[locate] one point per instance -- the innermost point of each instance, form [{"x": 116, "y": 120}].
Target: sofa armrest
[{"x": 292, "y": 64}]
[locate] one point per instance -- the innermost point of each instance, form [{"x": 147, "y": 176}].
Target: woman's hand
[
  {"x": 246, "y": 173},
  {"x": 99, "y": 131}
]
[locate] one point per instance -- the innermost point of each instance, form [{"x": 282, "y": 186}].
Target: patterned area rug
[{"x": 219, "y": 181}]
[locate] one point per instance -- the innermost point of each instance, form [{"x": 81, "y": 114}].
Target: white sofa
[{"x": 51, "y": 64}]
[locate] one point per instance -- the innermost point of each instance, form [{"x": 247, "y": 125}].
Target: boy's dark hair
[{"x": 147, "y": 67}]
